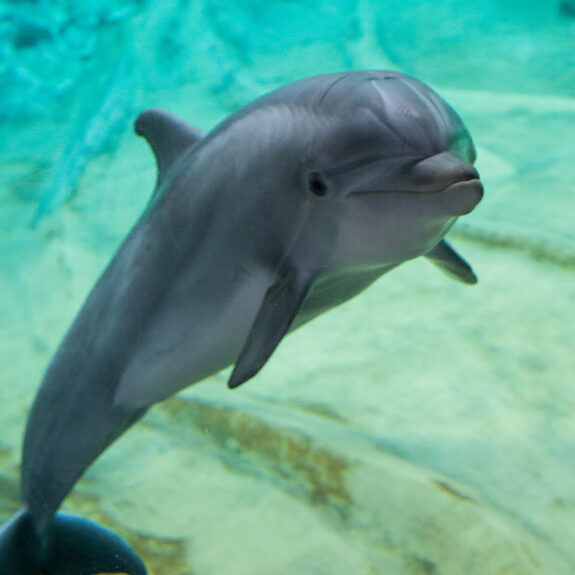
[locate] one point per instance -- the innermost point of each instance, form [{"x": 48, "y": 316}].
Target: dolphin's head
[{"x": 394, "y": 162}]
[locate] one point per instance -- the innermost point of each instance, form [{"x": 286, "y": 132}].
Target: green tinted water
[{"x": 425, "y": 427}]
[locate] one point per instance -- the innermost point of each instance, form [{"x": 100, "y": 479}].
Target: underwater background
[{"x": 424, "y": 427}]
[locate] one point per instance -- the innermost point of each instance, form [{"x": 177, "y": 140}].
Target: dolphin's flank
[{"x": 291, "y": 206}]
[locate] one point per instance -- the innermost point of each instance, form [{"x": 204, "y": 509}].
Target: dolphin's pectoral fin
[
  {"x": 71, "y": 546},
  {"x": 168, "y": 137},
  {"x": 277, "y": 312},
  {"x": 448, "y": 260}
]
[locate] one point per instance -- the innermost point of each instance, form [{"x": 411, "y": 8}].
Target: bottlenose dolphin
[{"x": 291, "y": 206}]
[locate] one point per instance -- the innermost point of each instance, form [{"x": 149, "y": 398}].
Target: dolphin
[{"x": 291, "y": 206}]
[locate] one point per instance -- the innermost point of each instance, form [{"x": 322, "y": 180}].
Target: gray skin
[{"x": 290, "y": 207}]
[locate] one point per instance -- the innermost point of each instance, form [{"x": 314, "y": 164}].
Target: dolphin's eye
[{"x": 316, "y": 185}]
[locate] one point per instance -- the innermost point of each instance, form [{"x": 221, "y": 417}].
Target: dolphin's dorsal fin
[
  {"x": 277, "y": 312},
  {"x": 449, "y": 261},
  {"x": 168, "y": 137}
]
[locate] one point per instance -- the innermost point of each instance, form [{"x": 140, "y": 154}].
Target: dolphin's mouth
[
  {"x": 462, "y": 196},
  {"x": 431, "y": 175},
  {"x": 473, "y": 184},
  {"x": 458, "y": 198},
  {"x": 470, "y": 184},
  {"x": 466, "y": 185}
]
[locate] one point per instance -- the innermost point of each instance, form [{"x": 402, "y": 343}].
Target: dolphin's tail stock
[{"x": 70, "y": 546}]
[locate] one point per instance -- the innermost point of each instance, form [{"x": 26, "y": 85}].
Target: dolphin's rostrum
[{"x": 288, "y": 208}]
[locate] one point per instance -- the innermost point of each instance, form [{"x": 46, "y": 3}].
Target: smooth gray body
[{"x": 291, "y": 206}]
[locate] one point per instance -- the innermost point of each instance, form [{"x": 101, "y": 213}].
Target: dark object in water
[
  {"x": 567, "y": 7},
  {"x": 69, "y": 546},
  {"x": 293, "y": 205}
]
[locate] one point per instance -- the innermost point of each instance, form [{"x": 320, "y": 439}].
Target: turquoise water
[{"x": 423, "y": 427}]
